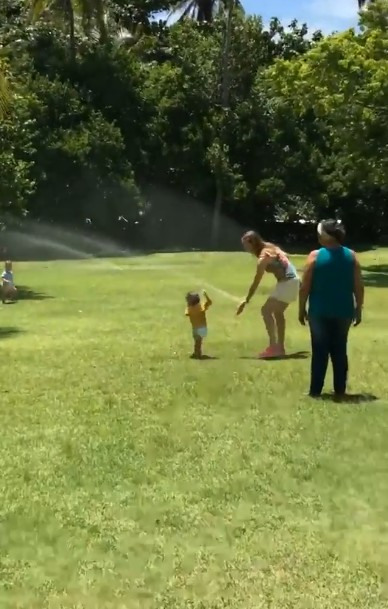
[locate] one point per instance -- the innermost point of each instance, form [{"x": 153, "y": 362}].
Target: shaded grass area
[
  {"x": 133, "y": 477},
  {"x": 376, "y": 275},
  {"x": 27, "y": 293},
  {"x": 9, "y": 332}
]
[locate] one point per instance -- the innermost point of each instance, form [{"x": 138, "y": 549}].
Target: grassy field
[{"x": 133, "y": 477}]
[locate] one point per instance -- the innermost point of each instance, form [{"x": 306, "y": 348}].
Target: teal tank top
[{"x": 331, "y": 293}]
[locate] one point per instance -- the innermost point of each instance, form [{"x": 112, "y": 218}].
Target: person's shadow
[
  {"x": 204, "y": 358},
  {"x": 26, "y": 293},
  {"x": 350, "y": 398},
  {"x": 296, "y": 355},
  {"x": 8, "y": 332}
]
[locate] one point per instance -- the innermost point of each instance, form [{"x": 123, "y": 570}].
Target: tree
[
  {"x": 74, "y": 15},
  {"x": 225, "y": 112},
  {"x": 17, "y": 135},
  {"x": 211, "y": 135},
  {"x": 137, "y": 12},
  {"x": 342, "y": 86},
  {"x": 203, "y": 10},
  {"x": 80, "y": 168},
  {"x": 220, "y": 149}
]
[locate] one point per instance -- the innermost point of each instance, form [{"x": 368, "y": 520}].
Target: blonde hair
[
  {"x": 8, "y": 264},
  {"x": 259, "y": 245}
]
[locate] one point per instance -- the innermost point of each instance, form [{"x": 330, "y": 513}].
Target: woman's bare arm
[
  {"x": 305, "y": 286},
  {"x": 260, "y": 270},
  {"x": 358, "y": 288}
]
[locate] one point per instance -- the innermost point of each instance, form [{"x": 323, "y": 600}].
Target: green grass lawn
[{"x": 133, "y": 477}]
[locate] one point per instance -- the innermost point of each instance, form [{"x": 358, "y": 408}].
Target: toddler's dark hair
[{"x": 193, "y": 298}]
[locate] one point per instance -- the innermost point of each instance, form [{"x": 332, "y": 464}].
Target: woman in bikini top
[{"x": 271, "y": 259}]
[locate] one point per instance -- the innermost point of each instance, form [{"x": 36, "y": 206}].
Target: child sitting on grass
[
  {"x": 9, "y": 290},
  {"x": 196, "y": 312}
]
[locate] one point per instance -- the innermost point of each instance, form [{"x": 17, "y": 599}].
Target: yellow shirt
[{"x": 197, "y": 314}]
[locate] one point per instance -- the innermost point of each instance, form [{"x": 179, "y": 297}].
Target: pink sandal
[{"x": 271, "y": 352}]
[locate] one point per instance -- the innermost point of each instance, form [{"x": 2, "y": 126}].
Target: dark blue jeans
[{"x": 329, "y": 339}]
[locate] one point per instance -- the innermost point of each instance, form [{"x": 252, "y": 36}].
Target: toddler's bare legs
[
  {"x": 8, "y": 293},
  {"x": 197, "y": 354}
]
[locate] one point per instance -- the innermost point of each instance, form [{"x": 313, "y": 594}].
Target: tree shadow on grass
[
  {"x": 376, "y": 275},
  {"x": 26, "y": 293},
  {"x": 297, "y": 355},
  {"x": 350, "y": 398},
  {"x": 376, "y": 268},
  {"x": 9, "y": 332},
  {"x": 376, "y": 280}
]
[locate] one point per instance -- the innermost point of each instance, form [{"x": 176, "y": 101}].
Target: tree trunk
[
  {"x": 205, "y": 10},
  {"x": 225, "y": 69},
  {"x": 217, "y": 211},
  {"x": 5, "y": 96},
  {"x": 70, "y": 17},
  {"x": 100, "y": 19},
  {"x": 225, "y": 96}
]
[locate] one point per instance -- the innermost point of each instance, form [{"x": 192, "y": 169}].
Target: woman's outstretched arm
[{"x": 260, "y": 270}]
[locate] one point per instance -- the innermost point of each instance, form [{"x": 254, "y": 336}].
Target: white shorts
[{"x": 286, "y": 291}]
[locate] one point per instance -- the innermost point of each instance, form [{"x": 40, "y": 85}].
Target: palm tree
[
  {"x": 225, "y": 104},
  {"x": 202, "y": 10},
  {"x": 82, "y": 13}
]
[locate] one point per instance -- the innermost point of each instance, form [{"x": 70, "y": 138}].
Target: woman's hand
[
  {"x": 302, "y": 317},
  {"x": 357, "y": 319},
  {"x": 241, "y": 307}
]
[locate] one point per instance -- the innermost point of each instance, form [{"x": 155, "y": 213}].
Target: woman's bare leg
[
  {"x": 279, "y": 310},
  {"x": 269, "y": 322},
  {"x": 275, "y": 321}
]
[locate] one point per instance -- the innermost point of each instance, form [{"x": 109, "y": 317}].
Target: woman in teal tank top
[{"x": 333, "y": 287}]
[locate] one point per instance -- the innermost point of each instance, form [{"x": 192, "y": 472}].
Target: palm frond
[
  {"x": 129, "y": 38},
  {"x": 37, "y": 8},
  {"x": 178, "y": 10},
  {"x": 5, "y": 95}
]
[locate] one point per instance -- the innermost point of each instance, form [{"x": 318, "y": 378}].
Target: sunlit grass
[{"x": 133, "y": 477}]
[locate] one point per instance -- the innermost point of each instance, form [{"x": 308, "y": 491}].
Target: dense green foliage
[{"x": 106, "y": 101}]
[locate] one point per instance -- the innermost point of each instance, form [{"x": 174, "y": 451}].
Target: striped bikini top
[{"x": 280, "y": 262}]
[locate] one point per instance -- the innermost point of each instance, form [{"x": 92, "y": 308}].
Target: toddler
[
  {"x": 196, "y": 312},
  {"x": 9, "y": 290}
]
